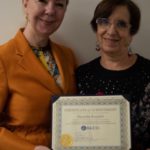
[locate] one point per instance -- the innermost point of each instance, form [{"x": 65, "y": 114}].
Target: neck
[
  {"x": 119, "y": 62},
  {"x": 35, "y": 39}
]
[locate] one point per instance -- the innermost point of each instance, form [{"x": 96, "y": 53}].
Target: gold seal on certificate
[
  {"x": 91, "y": 123},
  {"x": 66, "y": 140}
]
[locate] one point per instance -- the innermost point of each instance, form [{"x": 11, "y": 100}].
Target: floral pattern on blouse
[{"x": 45, "y": 56}]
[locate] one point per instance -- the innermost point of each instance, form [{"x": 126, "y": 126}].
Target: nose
[
  {"x": 50, "y": 8},
  {"x": 112, "y": 28}
]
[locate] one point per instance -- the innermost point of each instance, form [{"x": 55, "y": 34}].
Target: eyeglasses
[{"x": 120, "y": 25}]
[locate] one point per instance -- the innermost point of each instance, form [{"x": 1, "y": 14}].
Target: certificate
[{"x": 91, "y": 123}]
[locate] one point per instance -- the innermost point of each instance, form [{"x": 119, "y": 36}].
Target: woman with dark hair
[
  {"x": 118, "y": 71},
  {"x": 33, "y": 69}
]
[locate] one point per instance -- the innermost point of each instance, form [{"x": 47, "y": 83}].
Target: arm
[{"x": 7, "y": 139}]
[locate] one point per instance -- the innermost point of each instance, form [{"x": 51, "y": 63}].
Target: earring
[
  {"x": 26, "y": 18},
  {"x": 97, "y": 46},
  {"x": 129, "y": 50}
]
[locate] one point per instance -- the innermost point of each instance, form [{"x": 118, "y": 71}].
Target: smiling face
[
  {"x": 44, "y": 16},
  {"x": 113, "y": 39}
]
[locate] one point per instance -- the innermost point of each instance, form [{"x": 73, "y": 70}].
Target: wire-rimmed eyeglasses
[{"x": 120, "y": 25}]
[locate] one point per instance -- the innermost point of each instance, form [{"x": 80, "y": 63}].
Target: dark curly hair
[
  {"x": 105, "y": 8},
  {"x": 67, "y": 1}
]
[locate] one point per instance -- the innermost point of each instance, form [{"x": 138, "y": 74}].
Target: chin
[
  {"x": 45, "y": 32},
  {"x": 110, "y": 51}
]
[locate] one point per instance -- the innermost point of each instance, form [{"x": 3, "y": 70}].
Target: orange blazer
[{"x": 26, "y": 89}]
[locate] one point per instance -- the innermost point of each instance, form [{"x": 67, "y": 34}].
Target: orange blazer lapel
[
  {"x": 30, "y": 63},
  {"x": 60, "y": 54}
]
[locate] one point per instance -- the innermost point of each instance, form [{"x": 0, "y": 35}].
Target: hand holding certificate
[{"x": 91, "y": 122}]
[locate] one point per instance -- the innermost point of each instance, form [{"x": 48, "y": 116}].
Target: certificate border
[{"x": 92, "y": 100}]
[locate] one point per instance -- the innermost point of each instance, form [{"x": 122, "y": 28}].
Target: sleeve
[
  {"x": 8, "y": 141},
  {"x": 3, "y": 87},
  {"x": 145, "y": 117}
]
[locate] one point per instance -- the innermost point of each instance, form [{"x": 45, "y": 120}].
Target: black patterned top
[{"x": 134, "y": 82}]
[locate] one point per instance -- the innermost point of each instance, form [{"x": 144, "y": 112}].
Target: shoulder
[
  {"x": 143, "y": 62},
  {"x": 143, "y": 59},
  {"x": 5, "y": 48},
  {"x": 61, "y": 47},
  {"x": 142, "y": 68},
  {"x": 63, "y": 52},
  {"x": 7, "y": 51},
  {"x": 10, "y": 46},
  {"x": 88, "y": 67}
]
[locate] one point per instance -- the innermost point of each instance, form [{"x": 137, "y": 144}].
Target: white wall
[{"x": 75, "y": 31}]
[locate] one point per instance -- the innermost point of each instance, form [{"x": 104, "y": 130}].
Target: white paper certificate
[{"x": 91, "y": 122}]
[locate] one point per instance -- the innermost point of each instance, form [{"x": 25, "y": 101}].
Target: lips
[
  {"x": 111, "y": 42},
  {"x": 47, "y": 21},
  {"x": 111, "y": 39}
]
